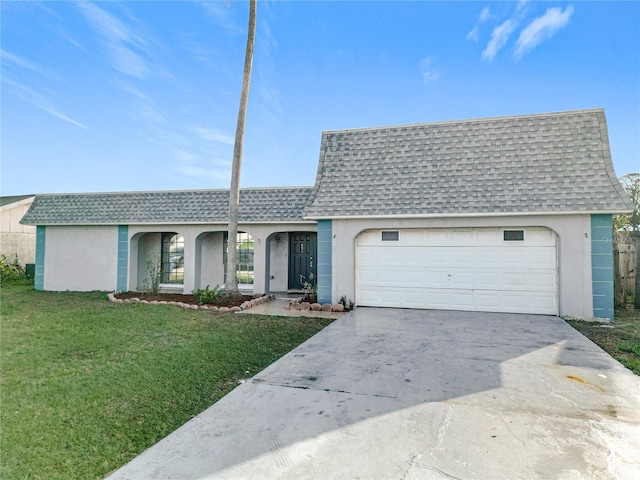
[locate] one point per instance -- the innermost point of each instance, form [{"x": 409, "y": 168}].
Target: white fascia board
[{"x": 139, "y": 224}]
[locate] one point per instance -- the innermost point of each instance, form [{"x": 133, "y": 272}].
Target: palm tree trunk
[{"x": 231, "y": 282}]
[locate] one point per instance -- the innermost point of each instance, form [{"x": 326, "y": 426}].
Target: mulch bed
[{"x": 234, "y": 301}]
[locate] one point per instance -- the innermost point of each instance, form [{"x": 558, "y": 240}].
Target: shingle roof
[
  {"x": 196, "y": 206},
  {"x": 548, "y": 163},
  {"x": 8, "y": 200}
]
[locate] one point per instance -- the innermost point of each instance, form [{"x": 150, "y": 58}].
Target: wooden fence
[{"x": 626, "y": 258}]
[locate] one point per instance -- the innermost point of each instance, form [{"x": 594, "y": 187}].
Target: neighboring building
[
  {"x": 507, "y": 214},
  {"x": 17, "y": 241}
]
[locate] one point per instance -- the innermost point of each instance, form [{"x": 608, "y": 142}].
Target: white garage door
[{"x": 477, "y": 269}]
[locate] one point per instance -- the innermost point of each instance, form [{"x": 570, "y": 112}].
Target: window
[
  {"x": 244, "y": 258},
  {"x": 390, "y": 236},
  {"x": 172, "y": 258},
  {"x": 513, "y": 235}
]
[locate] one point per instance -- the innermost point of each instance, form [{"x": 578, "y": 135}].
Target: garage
[{"x": 512, "y": 270}]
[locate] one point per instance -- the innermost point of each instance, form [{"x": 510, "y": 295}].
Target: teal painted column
[
  {"x": 123, "y": 257},
  {"x": 602, "y": 265},
  {"x": 40, "y": 243},
  {"x": 324, "y": 261}
]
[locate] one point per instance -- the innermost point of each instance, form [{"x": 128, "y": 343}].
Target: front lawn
[
  {"x": 87, "y": 384},
  {"x": 620, "y": 339}
]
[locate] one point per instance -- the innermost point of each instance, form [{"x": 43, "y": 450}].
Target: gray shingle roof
[
  {"x": 548, "y": 163},
  {"x": 8, "y": 200},
  {"x": 196, "y": 206}
]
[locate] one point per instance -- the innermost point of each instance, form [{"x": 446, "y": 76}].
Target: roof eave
[
  {"x": 115, "y": 224},
  {"x": 465, "y": 215}
]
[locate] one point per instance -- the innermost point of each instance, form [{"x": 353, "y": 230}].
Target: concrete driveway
[{"x": 408, "y": 394}]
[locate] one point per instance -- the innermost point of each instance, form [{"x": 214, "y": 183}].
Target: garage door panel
[{"x": 476, "y": 270}]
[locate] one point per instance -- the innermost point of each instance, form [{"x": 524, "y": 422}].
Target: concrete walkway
[
  {"x": 278, "y": 307},
  {"x": 391, "y": 394}
]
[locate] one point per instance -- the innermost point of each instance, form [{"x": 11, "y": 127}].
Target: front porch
[{"x": 270, "y": 258}]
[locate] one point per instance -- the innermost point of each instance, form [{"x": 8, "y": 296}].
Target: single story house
[
  {"x": 17, "y": 241},
  {"x": 510, "y": 214}
]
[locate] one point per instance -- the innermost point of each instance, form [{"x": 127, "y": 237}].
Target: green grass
[
  {"x": 620, "y": 339},
  {"x": 87, "y": 385}
]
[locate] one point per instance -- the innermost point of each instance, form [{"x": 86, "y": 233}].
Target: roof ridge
[
  {"x": 467, "y": 120},
  {"x": 197, "y": 190}
]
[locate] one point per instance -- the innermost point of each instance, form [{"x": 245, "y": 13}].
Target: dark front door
[{"x": 302, "y": 259}]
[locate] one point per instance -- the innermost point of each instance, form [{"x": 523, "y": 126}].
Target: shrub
[
  {"x": 10, "y": 272},
  {"x": 310, "y": 288},
  {"x": 348, "y": 304},
  {"x": 208, "y": 295},
  {"x": 154, "y": 275}
]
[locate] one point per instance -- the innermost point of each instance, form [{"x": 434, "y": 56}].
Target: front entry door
[{"x": 302, "y": 258}]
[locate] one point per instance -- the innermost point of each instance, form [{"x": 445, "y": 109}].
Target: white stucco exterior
[
  {"x": 81, "y": 258},
  {"x": 574, "y": 251},
  {"x": 84, "y": 258}
]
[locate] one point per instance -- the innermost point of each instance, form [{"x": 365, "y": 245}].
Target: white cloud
[
  {"x": 221, "y": 15},
  {"x": 9, "y": 58},
  {"x": 521, "y": 5},
  {"x": 61, "y": 116},
  {"x": 542, "y": 28},
  {"x": 474, "y": 34},
  {"x": 41, "y": 101},
  {"x": 203, "y": 176},
  {"x": 213, "y": 135},
  {"x": 429, "y": 74},
  {"x": 120, "y": 40},
  {"x": 485, "y": 14},
  {"x": 499, "y": 38}
]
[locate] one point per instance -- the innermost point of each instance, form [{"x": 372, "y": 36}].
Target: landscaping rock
[
  {"x": 327, "y": 307},
  {"x": 316, "y": 307},
  {"x": 295, "y": 306},
  {"x": 235, "y": 309},
  {"x": 338, "y": 307},
  {"x": 305, "y": 306},
  {"x": 223, "y": 309}
]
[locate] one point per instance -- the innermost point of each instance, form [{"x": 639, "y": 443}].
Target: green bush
[
  {"x": 9, "y": 272},
  {"x": 208, "y": 295}
]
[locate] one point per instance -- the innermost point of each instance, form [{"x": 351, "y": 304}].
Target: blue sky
[{"x": 143, "y": 95}]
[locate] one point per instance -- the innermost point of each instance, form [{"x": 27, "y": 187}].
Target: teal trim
[
  {"x": 40, "y": 244},
  {"x": 123, "y": 257},
  {"x": 602, "y": 265},
  {"x": 324, "y": 261}
]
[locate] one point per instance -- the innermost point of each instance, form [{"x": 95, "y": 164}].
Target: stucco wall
[
  {"x": 574, "y": 252},
  {"x": 81, "y": 258},
  {"x": 279, "y": 263},
  {"x": 211, "y": 263},
  {"x": 17, "y": 240}
]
